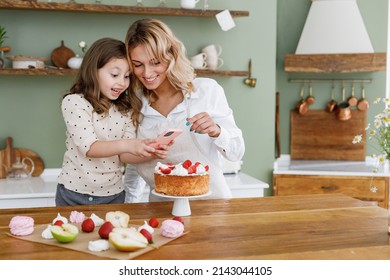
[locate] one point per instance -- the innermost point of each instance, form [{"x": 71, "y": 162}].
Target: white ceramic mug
[
  {"x": 199, "y": 63},
  {"x": 212, "y": 50},
  {"x": 199, "y": 56},
  {"x": 188, "y": 4},
  {"x": 214, "y": 64}
]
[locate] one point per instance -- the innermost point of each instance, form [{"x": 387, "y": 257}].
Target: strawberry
[
  {"x": 58, "y": 223},
  {"x": 165, "y": 170},
  {"x": 206, "y": 168},
  {"x": 179, "y": 219},
  {"x": 171, "y": 166},
  {"x": 187, "y": 164},
  {"x": 147, "y": 235},
  {"x": 191, "y": 169},
  {"x": 153, "y": 222},
  {"x": 88, "y": 225}
]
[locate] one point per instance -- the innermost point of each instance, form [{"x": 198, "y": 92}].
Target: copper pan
[
  {"x": 343, "y": 111},
  {"x": 363, "y": 103},
  {"x": 332, "y": 104},
  {"x": 310, "y": 99},
  {"x": 352, "y": 100},
  {"x": 302, "y": 106}
]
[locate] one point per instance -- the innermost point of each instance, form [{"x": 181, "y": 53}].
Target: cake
[{"x": 183, "y": 179}]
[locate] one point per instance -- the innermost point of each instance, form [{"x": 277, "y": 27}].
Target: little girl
[{"x": 101, "y": 119}]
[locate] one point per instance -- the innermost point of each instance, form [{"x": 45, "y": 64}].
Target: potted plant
[{"x": 3, "y": 36}]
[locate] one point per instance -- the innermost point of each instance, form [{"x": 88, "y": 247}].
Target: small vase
[{"x": 75, "y": 62}]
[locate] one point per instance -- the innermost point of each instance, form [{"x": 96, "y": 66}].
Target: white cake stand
[{"x": 181, "y": 204}]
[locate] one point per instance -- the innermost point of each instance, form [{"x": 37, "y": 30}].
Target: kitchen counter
[
  {"x": 353, "y": 178},
  {"x": 40, "y": 191},
  {"x": 275, "y": 227},
  {"x": 284, "y": 165}
]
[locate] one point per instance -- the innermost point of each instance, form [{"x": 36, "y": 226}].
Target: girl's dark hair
[{"x": 86, "y": 82}]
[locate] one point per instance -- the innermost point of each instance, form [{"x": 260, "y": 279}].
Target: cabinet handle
[{"x": 329, "y": 188}]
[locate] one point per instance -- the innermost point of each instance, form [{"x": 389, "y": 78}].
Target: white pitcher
[
  {"x": 19, "y": 170},
  {"x": 188, "y": 4}
]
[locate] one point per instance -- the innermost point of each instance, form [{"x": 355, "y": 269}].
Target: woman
[{"x": 173, "y": 98}]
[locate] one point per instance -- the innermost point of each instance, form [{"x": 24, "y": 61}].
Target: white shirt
[
  {"x": 94, "y": 176},
  {"x": 209, "y": 97}
]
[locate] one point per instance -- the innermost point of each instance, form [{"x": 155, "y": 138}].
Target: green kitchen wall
[
  {"x": 291, "y": 19},
  {"x": 30, "y": 105}
]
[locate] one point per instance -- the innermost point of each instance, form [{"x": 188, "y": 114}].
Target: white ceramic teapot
[{"x": 19, "y": 170}]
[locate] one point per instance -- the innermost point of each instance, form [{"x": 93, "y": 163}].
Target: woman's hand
[
  {"x": 162, "y": 151},
  {"x": 202, "y": 123}
]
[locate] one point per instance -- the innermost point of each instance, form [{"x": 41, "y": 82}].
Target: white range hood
[
  {"x": 334, "y": 40},
  {"x": 334, "y": 27}
]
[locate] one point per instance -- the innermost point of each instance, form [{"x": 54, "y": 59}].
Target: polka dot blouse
[{"x": 94, "y": 176}]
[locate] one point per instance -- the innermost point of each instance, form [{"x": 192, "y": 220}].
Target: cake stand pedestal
[{"x": 181, "y": 204}]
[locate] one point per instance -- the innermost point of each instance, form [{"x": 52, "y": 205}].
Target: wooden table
[{"x": 281, "y": 227}]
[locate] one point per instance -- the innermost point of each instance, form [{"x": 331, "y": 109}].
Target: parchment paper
[{"x": 81, "y": 243}]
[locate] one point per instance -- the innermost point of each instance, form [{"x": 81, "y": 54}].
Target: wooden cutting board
[
  {"x": 61, "y": 55},
  {"x": 320, "y": 135}
]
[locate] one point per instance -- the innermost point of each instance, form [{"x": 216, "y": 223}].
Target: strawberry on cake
[{"x": 183, "y": 179}]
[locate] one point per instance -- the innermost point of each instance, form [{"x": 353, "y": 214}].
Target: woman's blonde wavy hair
[{"x": 161, "y": 44}]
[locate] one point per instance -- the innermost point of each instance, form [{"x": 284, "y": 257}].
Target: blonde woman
[{"x": 173, "y": 97}]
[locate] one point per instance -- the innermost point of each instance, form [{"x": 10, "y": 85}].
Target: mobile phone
[{"x": 167, "y": 136}]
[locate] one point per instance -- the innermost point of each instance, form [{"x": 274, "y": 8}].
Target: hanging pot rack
[{"x": 363, "y": 81}]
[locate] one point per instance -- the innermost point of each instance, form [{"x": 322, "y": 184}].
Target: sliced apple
[
  {"x": 118, "y": 219},
  {"x": 64, "y": 233},
  {"x": 127, "y": 239}
]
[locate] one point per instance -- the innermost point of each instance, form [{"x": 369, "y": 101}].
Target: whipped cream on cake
[
  {"x": 182, "y": 169},
  {"x": 183, "y": 179}
]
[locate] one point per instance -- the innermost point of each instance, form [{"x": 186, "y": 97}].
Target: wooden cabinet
[
  {"x": 366, "y": 188},
  {"x": 111, "y": 9}
]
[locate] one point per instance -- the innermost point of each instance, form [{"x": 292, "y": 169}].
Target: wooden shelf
[
  {"x": 109, "y": 9},
  {"x": 72, "y": 72},
  {"x": 112, "y": 9},
  {"x": 335, "y": 63}
]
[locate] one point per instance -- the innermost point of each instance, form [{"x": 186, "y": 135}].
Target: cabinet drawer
[{"x": 364, "y": 188}]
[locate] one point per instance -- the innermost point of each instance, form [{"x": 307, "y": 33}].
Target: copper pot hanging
[
  {"x": 343, "y": 109},
  {"x": 352, "y": 100},
  {"x": 363, "y": 103},
  {"x": 310, "y": 99},
  {"x": 302, "y": 106}
]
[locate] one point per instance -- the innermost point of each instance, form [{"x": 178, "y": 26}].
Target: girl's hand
[
  {"x": 141, "y": 147},
  {"x": 202, "y": 123}
]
